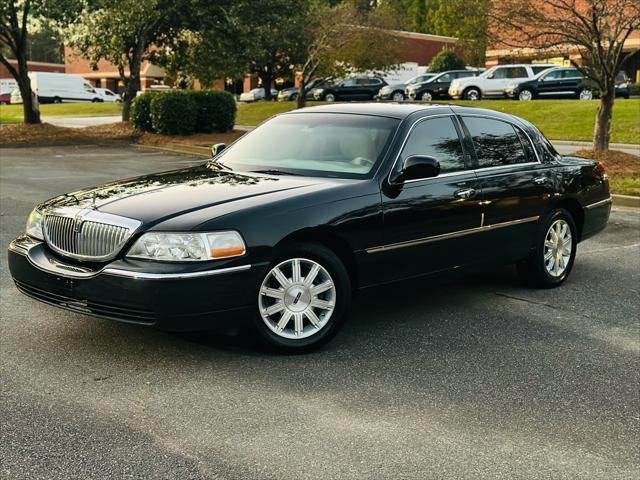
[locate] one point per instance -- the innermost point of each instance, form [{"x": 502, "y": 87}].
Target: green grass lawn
[
  {"x": 558, "y": 119},
  {"x": 13, "y": 113}
]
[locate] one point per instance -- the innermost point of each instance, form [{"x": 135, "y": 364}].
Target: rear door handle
[
  {"x": 540, "y": 180},
  {"x": 467, "y": 193}
]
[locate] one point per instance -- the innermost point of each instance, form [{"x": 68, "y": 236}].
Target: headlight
[
  {"x": 385, "y": 90},
  {"x": 186, "y": 247},
  {"x": 34, "y": 224},
  {"x": 318, "y": 91},
  {"x": 622, "y": 85}
]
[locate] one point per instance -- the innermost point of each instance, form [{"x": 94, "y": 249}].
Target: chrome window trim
[
  {"x": 598, "y": 204},
  {"x": 446, "y": 236},
  {"x": 404, "y": 142}
]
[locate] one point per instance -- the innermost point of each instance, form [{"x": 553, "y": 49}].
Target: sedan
[
  {"x": 278, "y": 231},
  {"x": 256, "y": 94},
  {"x": 396, "y": 91},
  {"x": 438, "y": 86}
]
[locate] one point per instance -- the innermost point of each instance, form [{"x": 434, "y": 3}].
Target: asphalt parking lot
[{"x": 474, "y": 377}]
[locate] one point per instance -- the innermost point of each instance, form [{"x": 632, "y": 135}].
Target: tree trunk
[
  {"x": 603, "y": 119},
  {"x": 30, "y": 108},
  {"x": 131, "y": 88},
  {"x": 266, "y": 78},
  {"x": 302, "y": 97}
]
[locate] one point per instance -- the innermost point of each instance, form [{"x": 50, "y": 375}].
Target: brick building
[{"x": 33, "y": 67}]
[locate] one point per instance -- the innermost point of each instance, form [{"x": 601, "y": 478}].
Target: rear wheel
[
  {"x": 555, "y": 251},
  {"x": 57, "y": 100},
  {"x": 472, "y": 94},
  {"x": 302, "y": 300}
]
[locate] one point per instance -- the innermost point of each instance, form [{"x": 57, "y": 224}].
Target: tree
[
  {"x": 446, "y": 60},
  {"x": 348, "y": 42},
  {"x": 596, "y": 29},
  {"x": 16, "y": 18},
  {"x": 124, "y": 33}
]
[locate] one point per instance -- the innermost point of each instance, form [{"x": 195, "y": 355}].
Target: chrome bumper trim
[
  {"x": 73, "y": 271},
  {"x": 172, "y": 276},
  {"x": 446, "y": 236},
  {"x": 599, "y": 204}
]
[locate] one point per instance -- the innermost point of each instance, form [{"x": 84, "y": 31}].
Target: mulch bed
[
  {"x": 21, "y": 135},
  {"x": 617, "y": 163}
]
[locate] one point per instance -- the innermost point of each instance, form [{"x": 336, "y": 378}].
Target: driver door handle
[{"x": 467, "y": 193}]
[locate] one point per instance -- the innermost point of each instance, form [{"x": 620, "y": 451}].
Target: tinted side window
[
  {"x": 437, "y": 138},
  {"x": 496, "y": 142},
  {"x": 446, "y": 78},
  {"x": 501, "y": 73},
  {"x": 518, "y": 72},
  {"x": 528, "y": 147},
  {"x": 352, "y": 82},
  {"x": 556, "y": 74},
  {"x": 571, "y": 73}
]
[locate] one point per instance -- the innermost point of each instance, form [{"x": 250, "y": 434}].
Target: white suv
[{"x": 493, "y": 82}]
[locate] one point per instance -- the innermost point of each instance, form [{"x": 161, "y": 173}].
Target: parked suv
[
  {"x": 355, "y": 88},
  {"x": 436, "y": 87},
  {"x": 493, "y": 82},
  {"x": 557, "y": 82}
]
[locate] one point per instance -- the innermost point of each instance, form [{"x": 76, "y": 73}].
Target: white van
[
  {"x": 61, "y": 87},
  {"x": 7, "y": 85}
]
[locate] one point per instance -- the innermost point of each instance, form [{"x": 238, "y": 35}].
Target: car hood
[{"x": 162, "y": 196}]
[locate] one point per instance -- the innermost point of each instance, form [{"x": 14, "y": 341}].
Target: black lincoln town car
[{"x": 281, "y": 228}]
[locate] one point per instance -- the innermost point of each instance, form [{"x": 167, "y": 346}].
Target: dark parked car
[
  {"x": 438, "y": 86},
  {"x": 622, "y": 85},
  {"x": 396, "y": 91},
  {"x": 356, "y": 88},
  {"x": 5, "y": 98},
  {"x": 558, "y": 82},
  {"x": 288, "y": 94},
  {"x": 281, "y": 228}
]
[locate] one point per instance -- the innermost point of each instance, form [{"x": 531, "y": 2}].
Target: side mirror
[
  {"x": 417, "y": 167},
  {"x": 217, "y": 148}
]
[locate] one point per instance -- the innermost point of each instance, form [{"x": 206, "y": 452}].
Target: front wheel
[
  {"x": 427, "y": 96},
  {"x": 555, "y": 251},
  {"x": 585, "y": 94},
  {"x": 330, "y": 97},
  {"x": 525, "y": 95},
  {"x": 302, "y": 300},
  {"x": 397, "y": 96},
  {"x": 472, "y": 94}
]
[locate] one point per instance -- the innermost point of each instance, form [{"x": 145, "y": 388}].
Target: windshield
[{"x": 313, "y": 144}]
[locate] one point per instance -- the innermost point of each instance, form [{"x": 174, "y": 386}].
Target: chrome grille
[{"x": 79, "y": 234}]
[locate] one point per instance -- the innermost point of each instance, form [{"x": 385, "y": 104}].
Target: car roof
[{"x": 399, "y": 110}]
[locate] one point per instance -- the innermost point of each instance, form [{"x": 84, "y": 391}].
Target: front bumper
[
  {"x": 174, "y": 297},
  {"x": 455, "y": 94}
]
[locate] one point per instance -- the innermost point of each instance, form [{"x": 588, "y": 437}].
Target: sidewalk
[{"x": 567, "y": 146}]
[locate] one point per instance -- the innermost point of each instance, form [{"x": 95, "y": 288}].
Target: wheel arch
[
  {"x": 575, "y": 209},
  {"x": 328, "y": 239}
]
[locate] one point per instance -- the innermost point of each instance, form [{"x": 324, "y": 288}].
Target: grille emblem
[{"x": 77, "y": 223}]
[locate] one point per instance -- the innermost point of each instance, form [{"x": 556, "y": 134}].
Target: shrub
[
  {"x": 216, "y": 110},
  {"x": 446, "y": 60},
  {"x": 140, "y": 113},
  {"x": 173, "y": 113}
]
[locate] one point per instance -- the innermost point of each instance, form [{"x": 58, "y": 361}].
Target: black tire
[
  {"x": 96, "y": 100},
  {"x": 336, "y": 269},
  {"x": 330, "y": 97},
  {"x": 472, "y": 93},
  {"x": 294, "y": 97},
  {"x": 57, "y": 100},
  {"x": 532, "y": 270},
  {"x": 398, "y": 96}
]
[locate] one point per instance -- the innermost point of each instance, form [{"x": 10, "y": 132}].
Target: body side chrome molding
[
  {"x": 446, "y": 236},
  {"x": 598, "y": 204}
]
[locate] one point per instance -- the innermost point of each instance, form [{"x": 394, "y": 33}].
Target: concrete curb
[
  {"x": 625, "y": 201},
  {"x": 576, "y": 143}
]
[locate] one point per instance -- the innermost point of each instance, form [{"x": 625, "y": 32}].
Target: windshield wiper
[{"x": 273, "y": 172}]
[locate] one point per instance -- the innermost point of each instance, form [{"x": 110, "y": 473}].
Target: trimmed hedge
[
  {"x": 184, "y": 112},
  {"x": 216, "y": 110},
  {"x": 173, "y": 113},
  {"x": 140, "y": 113}
]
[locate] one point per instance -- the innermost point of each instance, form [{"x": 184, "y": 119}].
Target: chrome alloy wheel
[
  {"x": 297, "y": 298},
  {"x": 557, "y": 248},
  {"x": 398, "y": 97},
  {"x": 585, "y": 94},
  {"x": 427, "y": 97},
  {"x": 525, "y": 95}
]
